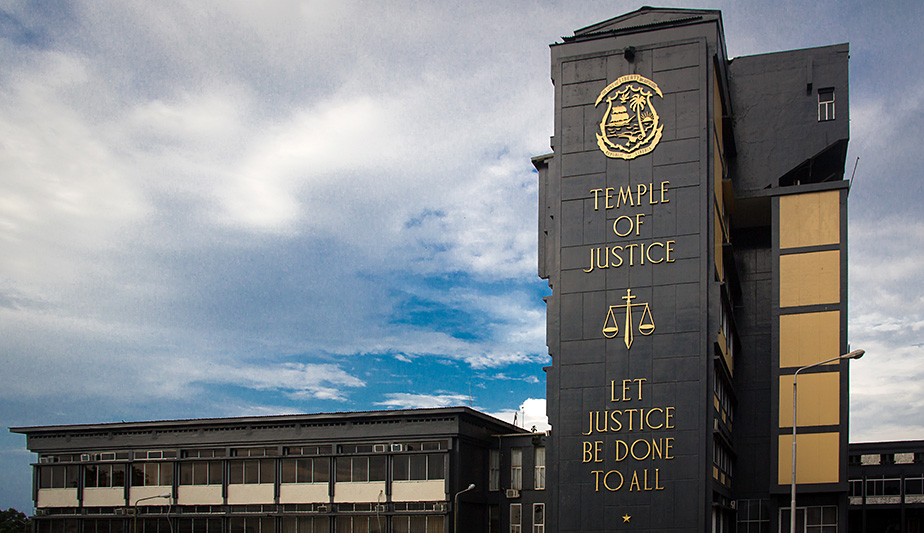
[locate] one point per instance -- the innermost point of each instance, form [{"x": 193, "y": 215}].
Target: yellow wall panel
[
  {"x": 817, "y": 458},
  {"x": 810, "y": 219},
  {"x": 719, "y": 265},
  {"x": 811, "y": 278},
  {"x": 807, "y": 338},
  {"x": 819, "y": 400}
]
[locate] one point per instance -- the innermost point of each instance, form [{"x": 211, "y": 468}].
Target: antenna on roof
[{"x": 850, "y": 183}]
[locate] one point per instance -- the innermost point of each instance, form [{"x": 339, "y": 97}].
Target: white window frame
[
  {"x": 539, "y": 468},
  {"x": 516, "y": 511},
  {"x": 516, "y": 468}
]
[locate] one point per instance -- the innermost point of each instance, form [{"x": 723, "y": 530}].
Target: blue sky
[{"x": 235, "y": 208}]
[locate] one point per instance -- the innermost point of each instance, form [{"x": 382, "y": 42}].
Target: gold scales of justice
[{"x": 645, "y": 327}]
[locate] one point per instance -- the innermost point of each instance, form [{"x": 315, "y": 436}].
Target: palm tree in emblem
[{"x": 637, "y": 104}]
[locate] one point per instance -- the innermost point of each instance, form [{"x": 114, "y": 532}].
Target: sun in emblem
[{"x": 631, "y": 126}]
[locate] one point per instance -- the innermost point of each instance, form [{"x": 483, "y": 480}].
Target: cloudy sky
[{"x": 234, "y": 208}]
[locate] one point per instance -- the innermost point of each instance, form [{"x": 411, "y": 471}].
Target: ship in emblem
[{"x": 631, "y": 126}]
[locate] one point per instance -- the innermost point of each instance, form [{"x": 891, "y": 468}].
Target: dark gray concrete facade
[{"x": 673, "y": 428}]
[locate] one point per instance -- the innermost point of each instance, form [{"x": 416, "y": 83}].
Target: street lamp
[
  {"x": 455, "y": 508},
  {"x": 856, "y": 354},
  {"x": 135, "y": 510}
]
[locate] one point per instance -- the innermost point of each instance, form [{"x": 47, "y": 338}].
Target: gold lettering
[
  {"x": 668, "y": 416},
  {"x": 607, "y": 255},
  {"x": 670, "y": 249},
  {"x": 648, "y": 253},
  {"x": 648, "y": 418},
  {"x": 640, "y": 381},
  {"x": 631, "y": 417},
  {"x": 617, "y": 425},
  {"x": 622, "y": 450},
  {"x": 664, "y": 198},
  {"x": 609, "y": 196},
  {"x": 597, "y": 422},
  {"x": 590, "y": 423},
  {"x": 651, "y": 190},
  {"x": 616, "y": 226},
  {"x": 588, "y": 455},
  {"x": 625, "y": 196},
  {"x": 644, "y": 455},
  {"x": 641, "y": 189},
  {"x": 657, "y": 480},
  {"x": 631, "y": 248},
  {"x": 617, "y": 256},
  {"x": 591, "y": 269},
  {"x": 668, "y": 446},
  {"x": 626, "y": 384},
  {"x": 613, "y": 397},
  {"x": 596, "y": 474},
  {"x": 634, "y": 485},
  {"x": 607, "y": 485},
  {"x": 596, "y": 193},
  {"x": 598, "y": 449}
]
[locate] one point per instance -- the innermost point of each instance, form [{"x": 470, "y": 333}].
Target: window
[
  {"x": 102, "y": 476},
  {"x": 538, "y": 518},
  {"x": 103, "y": 525},
  {"x": 825, "y": 104},
  {"x": 360, "y": 469},
  {"x": 58, "y": 477},
  {"x": 419, "y": 467},
  {"x": 252, "y": 471},
  {"x": 914, "y": 486},
  {"x": 254, "y": 452},
  {"x": 307, "y": 450},
  {"x": 203, "y": 453},
  {"x": 539, "y": 462},
  {"x": 152, "y": 474},
  {"x": 358, "y": 524},
  {"x": 516, "y": 468},
  {"x": 316, "y": 470},
  {"x": 201, "y": 473},
  {"x": 753, "y": 516},
  {"x": 818, "y": 519},
  {"x": 516, "y": 517},
  {"x": 417, "y": 524},
  {"x": 197, "y": 525},
  {"x": 252, "y": 524},
  {"x": 305, "y": 524},
  {"x": 494, "y": 470}
]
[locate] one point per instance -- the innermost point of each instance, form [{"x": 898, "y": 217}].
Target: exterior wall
[
  {"x": 607, "y": 466},
  {"x": 886, "y": 487},
  {"x": 452, "y": 442}
]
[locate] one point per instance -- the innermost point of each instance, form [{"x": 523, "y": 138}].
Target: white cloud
[
  {"x": 404, "y": 400},
  {"x": 531, "y": 413}
]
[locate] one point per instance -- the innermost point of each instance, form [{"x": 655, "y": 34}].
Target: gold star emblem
[{"x": 626, "y": 518}]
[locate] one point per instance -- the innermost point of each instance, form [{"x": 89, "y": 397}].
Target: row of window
[
  {"x": 875, "y": 459},
  {"x": 246, "y": 524},
  {"x": 516, "y": 518},
  {"x": 887, "y": 486},
  {"x": 260, "y": 451},
  {"x": 426, "y": 466},
  {"x": 264, "y": 509},
  {"x": 516, "y": 469}
]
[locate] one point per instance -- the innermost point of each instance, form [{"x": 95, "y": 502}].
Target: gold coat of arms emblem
[{"x": 630, "y": 127}]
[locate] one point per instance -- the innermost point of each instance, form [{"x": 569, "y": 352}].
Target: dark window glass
[
  {"x": 401, "y": 468},
  {"x": 216, "y": 476},
  {"x": 200, "y": 473},
  {"x": 236, "y": 473},
  {"x": 105, "y": 476},
  {"x": 321, "y": 470},
  {"x": 377, "y": 468},
  {"x": 288, "y": 472},
  {"x": 435, "y": 466},
  {"x": 418, "y": 467},
  {"x": 186, "y": 473},
  {"x": 89, "y": 476},
  {"x": 71, "y": 475},
  {"x": 267, "y": 471},
  {"x": 252, "y": 471},
  {"x": 118, "y": 475}
]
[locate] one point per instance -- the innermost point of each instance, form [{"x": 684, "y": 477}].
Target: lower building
[
  {"x": 418, "y": 470},
  {"x": 886, "y": 487}
]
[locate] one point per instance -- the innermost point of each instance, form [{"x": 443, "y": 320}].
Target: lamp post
[
  {"x": 455, "y": 508},
  {"x": 135, "y": 510},
  {"x": 856, "y": 354}
]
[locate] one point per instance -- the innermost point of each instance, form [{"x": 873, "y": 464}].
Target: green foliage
[{"x": 13, "y": 521}]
